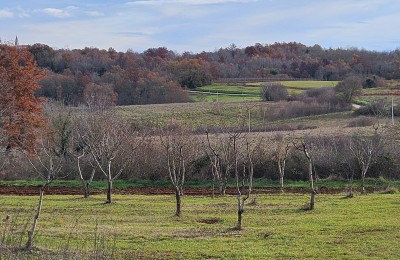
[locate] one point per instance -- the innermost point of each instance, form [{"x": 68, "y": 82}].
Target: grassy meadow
[
  {"x": 144, "y": 227},
  {"x": 250, "y": 91}
]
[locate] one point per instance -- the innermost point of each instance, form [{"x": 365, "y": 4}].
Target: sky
[{"x": 201, "y": 25}]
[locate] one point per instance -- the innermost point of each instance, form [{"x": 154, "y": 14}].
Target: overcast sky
[{"x": 201, "y": 25}]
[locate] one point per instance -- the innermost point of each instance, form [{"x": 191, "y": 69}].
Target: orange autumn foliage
[{"x": 20, "y": 109}]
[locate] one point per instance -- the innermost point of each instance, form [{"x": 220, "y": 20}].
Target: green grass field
[
  {"x": 144, "y": 227},
  {"x": 250, "y": 91},
  {"x": 221, "y": 97},
  {"x": 379, "y": 184}
]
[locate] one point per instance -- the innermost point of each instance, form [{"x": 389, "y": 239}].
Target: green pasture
[
  {"x": 297, "y": 87},
  {"x": 308, "y": 84},
  {"x": 221, "y": 97},
  {"x": 144, "y": 227},
  {"x": 258, "y": 183},
  {"x": 228, "y": 89},
  {"x": 251, "y": 90},
  {"x": 302, "y": 84}
]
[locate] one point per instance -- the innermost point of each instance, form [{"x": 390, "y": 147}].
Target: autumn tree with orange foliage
[{"x": 20, "y": 110}]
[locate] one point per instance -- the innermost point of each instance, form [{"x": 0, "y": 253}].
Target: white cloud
[
  {"x": 59, "y": 13},
  {"x": 5, "y": 14},
  {"x": 94, "y": 13},
  {"x": 23, "y": 14}
]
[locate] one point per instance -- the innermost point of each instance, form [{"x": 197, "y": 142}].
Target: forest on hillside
[{"x": 160, "y": 75}]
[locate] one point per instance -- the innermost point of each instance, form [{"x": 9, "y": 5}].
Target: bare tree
[
  {"x": 280, "y": 155},
  {"x": 365, "y": 150},
  {"x": 80, "y": 153},
  {"x": 215, "y": 159},
  {"x": 244, "y": 179},
  {"x": 350, "y": 164},
  {"x": 219, "y": 151},
  {"x": 177, "y": 144},
  {"x": 108, "y": 139},
  {"x": 305, "y": 147},
  {"x": 48, "y": 160}
]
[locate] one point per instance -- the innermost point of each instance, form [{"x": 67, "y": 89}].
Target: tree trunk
[
  {"x": 311, "y": 180},
  {"x": 350, "y": 191},
  {"x": 31, "y": 233},
  {"x": 281, "y": 168},
  {"x": 222, "y": 188},
  {"x": 86, "y": 183},
  {"x": 239, "y": 222},
  {"x": 281, "y": 183},
  {"x": 213, "y": 190},
  {"x": 109, "y": 189},
  {"x": 85, "y": 186},
  {"x": 87, "y": 190},
  {"x": 363, "y": 183},
  {"x": 178, "y": 202},
  {"x": 312, "y": 200}
]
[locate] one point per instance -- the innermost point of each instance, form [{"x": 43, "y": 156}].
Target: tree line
[{"x": 160, "y": 75}]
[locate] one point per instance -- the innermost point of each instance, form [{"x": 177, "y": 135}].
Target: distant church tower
[{"x": 16, "y": 40}]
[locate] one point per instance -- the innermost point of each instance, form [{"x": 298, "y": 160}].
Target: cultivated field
[{"x": 143, "y": 226}]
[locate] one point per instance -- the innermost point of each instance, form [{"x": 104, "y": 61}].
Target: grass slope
[{"x": 144, "y": 227}]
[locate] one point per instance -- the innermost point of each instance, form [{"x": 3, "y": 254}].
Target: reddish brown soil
[{"x": 32, "y": 191}]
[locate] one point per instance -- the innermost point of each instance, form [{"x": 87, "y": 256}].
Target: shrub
[
  {"x": 361, "y": 122},
  {"x": 373, "y": 82},
  {"x": 348, "y": 89},
  {"x": 390, "y": 190},
  {"x": 322, "y": 95},
  {"x": 377, "y": 108},
  {"x": 274, "y": 92}
]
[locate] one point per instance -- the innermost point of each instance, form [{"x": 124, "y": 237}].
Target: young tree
[
  {"x": 108, "y": 139},
  {"x": 219, "y": 150},
  {"x": 365, "y": 150},
  {"x": 280, "y": 155},
  {"x": 20, "y": 110},
  {"x": 48, "y": 167},
  {"x": 215, "y": 159},
  {"x": 305, "y": 147},
  {"x": 80, "y": 152},
  {"x": 47, "y": 160},
  {"x": 350, "y": 165},
  {"x": 244, "y": 180},
  {"x": 177, "y": 144}
]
